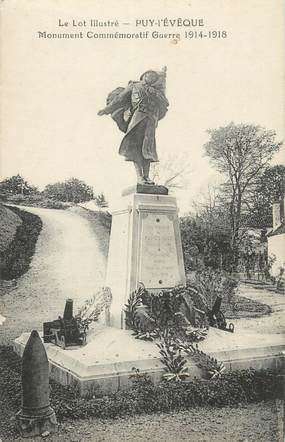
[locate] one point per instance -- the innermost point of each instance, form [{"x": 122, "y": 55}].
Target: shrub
[
  {"x": 72, "y": 190},
  {"x": 212, "y": 283},
  {"x": 233, "y": 388}
]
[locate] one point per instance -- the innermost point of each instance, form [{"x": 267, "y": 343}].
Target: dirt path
[
  {"x": 67, "y": 264},
  {"x": 272, "y": 323},
  {"x": 249, "y": 423}
]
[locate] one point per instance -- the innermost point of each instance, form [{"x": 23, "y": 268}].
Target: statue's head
[{"x": 149, "y": 77}]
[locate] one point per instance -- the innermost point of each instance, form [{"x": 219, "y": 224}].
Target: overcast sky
[{"x": 53, "y": 88}]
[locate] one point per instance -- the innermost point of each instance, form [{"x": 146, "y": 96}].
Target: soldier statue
[{"x": 136, "y": 110}]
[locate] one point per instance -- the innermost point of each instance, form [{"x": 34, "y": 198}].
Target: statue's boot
[
  {"x": 148, "y": 181},
  {"x": 146, "y": 167}
]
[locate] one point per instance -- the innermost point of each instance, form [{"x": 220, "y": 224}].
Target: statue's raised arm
[{"x": 136, "y": 110}]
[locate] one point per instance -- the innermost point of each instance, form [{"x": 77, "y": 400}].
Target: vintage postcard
[{"x": 142, "y": 251}]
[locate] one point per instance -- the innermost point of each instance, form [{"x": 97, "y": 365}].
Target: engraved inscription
[{"x": 158, "y": 258}]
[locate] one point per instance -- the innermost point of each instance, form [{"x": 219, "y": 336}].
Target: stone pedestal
[
  {"x": 145, "y": 247},
  {"x": 106, "y": 363}
]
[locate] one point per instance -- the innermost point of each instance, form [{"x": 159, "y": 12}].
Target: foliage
[
  {"x": 212, "y": 283},
  {"x": 171, "y": 356},
  {"x": 91, "y": 310},
  {"x": 130, "y": 308},
  {"x": 15, "y": 260},
  {"x": 209, "y": 365},
  {"x": 193, "y": 238},
  {"x": 163, "y": 306},
  {"x": 133, "y": 318},
  {"x": 72, "y": 190},
  {"x": 268, "y": 189},
  {"x": 205, "y": 241},
  {"x": 242, "y": 307},
  {"x": 178, "y": 317},
  {"x": 164, "y": 322},
  {"x": 149, "y": 313},
  {"x": 16, "y": 185},
  {"x": 162, "y": 317},
  {"x": 171, "y": 348},
  {"x": 240, "y": 152},
  {"x": 233, "y": 388},
  {"x": 194, "y": 334}
]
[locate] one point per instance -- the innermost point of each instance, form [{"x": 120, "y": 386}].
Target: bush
[
  {"x": 17, "y": 184},
  {"x": 15, "y": 260},
  {"x": 204, "y": 243},
  {"x": 71, "y": 190},
  {"x": 233, "y": 388},
  {"x": 212, "y": 283}
]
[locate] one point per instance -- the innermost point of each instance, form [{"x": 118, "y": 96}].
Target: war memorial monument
[
  {"x": 145, "y": 244},
  {"x": 145, "y": 251}
]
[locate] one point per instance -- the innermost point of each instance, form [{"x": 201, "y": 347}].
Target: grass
[
  {"x": 242, "y": 307},
  {"x": 16, "y": 256},
  {"x": 8, "y": 226}
]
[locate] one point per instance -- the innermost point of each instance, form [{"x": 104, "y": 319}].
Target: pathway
[
  {"x": 273, "y": 323},
  {"x": 67, "y": 264}
]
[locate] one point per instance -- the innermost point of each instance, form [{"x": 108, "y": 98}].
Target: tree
[
  {"x": 269, "y": 188},
  {"x": 240, "y": 152},
  {"x": 71, "y": 190},
  {"x": 204, "y": 243},
  {"x": 171, "y": 171},
  {"x": 207, "y": 235},
  {"x": 100, "y": 200},
  {"x": 17, "y": 184}
]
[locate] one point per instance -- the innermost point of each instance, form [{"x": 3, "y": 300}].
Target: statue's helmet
[{"x": 152, "y": 74}]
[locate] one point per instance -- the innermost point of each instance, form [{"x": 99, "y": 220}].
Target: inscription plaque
[{"x": 158, "y": 267}]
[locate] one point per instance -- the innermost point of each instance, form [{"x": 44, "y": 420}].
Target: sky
[{"x": 52, "y": 89}]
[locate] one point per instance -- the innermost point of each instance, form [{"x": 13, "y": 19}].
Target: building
[{"x": 276, "y": 238}]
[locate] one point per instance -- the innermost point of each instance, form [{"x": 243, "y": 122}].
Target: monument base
[
  {"x": 107, "y": 361},
  {"x": 33, "y": 425},
  {"x": 145, "y": 248},
  {"x": 150, "y": 189}
]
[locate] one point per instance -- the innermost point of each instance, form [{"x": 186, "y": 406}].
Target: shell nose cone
[{"x": 35, "y": 374}]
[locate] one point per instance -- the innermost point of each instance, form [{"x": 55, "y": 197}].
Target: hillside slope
[{"x": 9, "y": 222}]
